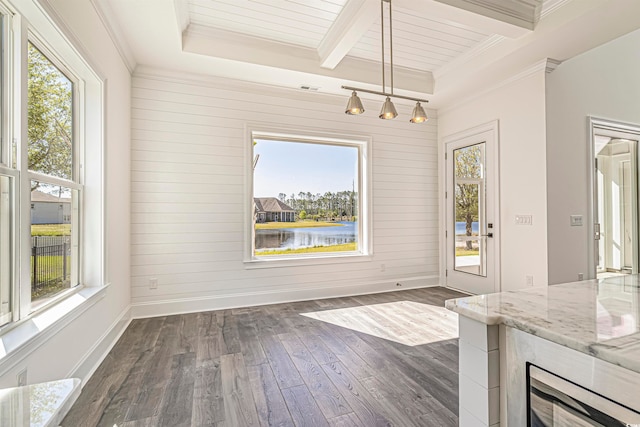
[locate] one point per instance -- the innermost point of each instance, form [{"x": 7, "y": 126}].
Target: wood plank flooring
[{"x": 373, "y": 360}]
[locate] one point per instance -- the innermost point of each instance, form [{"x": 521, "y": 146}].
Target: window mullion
[
  {"x": 35, "y": 176},
  {"x": 23, "y": 220}
]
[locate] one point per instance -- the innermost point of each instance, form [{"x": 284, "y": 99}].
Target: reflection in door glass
[
  {"x": 617, "y": 205},
  {"x": 469, "y": 208}
]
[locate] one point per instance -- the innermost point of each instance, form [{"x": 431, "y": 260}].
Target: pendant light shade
[
  {"x": 419, "y": 115},
  {"x": 354, "y": 106},
  {"x": 388, "y": 110}
]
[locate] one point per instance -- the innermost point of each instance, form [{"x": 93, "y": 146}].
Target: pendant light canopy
[{"x": 354, "y": 106}]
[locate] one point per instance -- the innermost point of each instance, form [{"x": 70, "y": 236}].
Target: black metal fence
[{"x": 50, "y": 263}]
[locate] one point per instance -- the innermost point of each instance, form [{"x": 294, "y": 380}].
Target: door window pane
[
  {"x": 50, "y": 117},
  {"x": 52, "y": 247},
  {"x": 469, "y": 205},
  {"x": 617, "y": 205}
]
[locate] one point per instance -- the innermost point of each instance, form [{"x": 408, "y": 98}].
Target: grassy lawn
[
  {"x": 297, "y": 224},
  {"x": 347, "y": 247},
  {"x": 467, "y": 252},
  {"x": 49, "y": 270},
  {"x": 51, "y": 230}
]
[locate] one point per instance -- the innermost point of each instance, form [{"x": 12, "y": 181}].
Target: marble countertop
[
  {"x": 597, "y": 317},
  {"x": 43, "y": 404}
]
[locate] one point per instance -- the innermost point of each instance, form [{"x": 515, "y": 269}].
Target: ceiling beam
[
  {"x": 240, "y": 48},
  {"x": 355, "y": 19},
  {"x": 484, "y": 15},
  {"x": 182, "y": 14}
]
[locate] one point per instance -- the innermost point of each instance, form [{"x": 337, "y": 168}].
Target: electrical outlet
[
  {"x": 22, "y": 377},
  {"x": 153, "y": 283},
  {"x": 529, "y": 280},
  {"x": 580, "y": 276},
  {"x": 383, "y": 267}
]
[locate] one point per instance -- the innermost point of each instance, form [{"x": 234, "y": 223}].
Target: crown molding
[
  {"x": 550, "y": 6},
  {"x": 547, "y": 65},
  {"x": 521, "y": 13},
  {"x": 551, "y": 65},
  {"x": 115, "y": 32}
]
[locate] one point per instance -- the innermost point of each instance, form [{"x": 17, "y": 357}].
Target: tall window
[
  {"x": 307, "y": 197},
  {"x": 54, "y": 186},
  {"x": 50, "y": 149}
]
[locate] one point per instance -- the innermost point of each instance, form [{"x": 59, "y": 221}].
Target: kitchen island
[{"x": 587, "y": 333}]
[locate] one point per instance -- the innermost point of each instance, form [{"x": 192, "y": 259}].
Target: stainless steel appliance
[{"x": 554, "y": 401}]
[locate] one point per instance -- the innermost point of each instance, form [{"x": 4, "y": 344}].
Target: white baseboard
[
  {"x": 221, "y": 302},
  {"x": 88, "y": 364}
]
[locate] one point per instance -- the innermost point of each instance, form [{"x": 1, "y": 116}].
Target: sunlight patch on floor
[{"x": 405, "y": 322}]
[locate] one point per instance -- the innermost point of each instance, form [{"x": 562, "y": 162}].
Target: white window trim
[
  {"x": 365, "y": 220},
  {"x": 32, "y": 328}
]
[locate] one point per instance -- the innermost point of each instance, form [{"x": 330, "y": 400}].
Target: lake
[
  {"x": 293, "y": 238},
  {"x": 461, "y": 228}
]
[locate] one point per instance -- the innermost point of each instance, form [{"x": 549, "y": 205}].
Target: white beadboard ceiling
[
  {"x": 299, "y": 22},
  {"x": 419, "y": 42},
  {"x": 443, "y": 49}
]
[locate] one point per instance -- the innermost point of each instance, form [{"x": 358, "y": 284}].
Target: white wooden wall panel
[{"x": 188, "y": 196}]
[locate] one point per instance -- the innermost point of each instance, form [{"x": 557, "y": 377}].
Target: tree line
[{"x": 341, "y": 205}]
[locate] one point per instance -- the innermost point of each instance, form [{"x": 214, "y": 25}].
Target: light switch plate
[
  {"x": 524, "y": 219},
  {"x": 576, "y": 220}
]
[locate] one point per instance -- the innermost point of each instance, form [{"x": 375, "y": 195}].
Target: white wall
[
  {"x": 604, "y": 83},
  {"x": 519, "y": 108},
  {"x": 188, "y": 193},
  {"x": 75, "y": 349}
]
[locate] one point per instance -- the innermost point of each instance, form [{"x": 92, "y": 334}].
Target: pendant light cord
[
  {"x": 384, "y": 86},
  {"x": 391, "y": 45}
]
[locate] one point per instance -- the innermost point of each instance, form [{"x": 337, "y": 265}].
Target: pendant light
[
  {"x": 354, "y": 106},
  {"x": 419, "y": 116},
  {"x": 388, "y": 112}
]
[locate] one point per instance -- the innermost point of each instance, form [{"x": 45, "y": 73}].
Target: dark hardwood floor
[{"x": 373, "y": 360}]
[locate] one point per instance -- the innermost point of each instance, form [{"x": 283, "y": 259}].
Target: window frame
[
  {"x": 29, "y": 21},
  {"x": 75, "y": 184},
  {"x": 365, "y": 232}
]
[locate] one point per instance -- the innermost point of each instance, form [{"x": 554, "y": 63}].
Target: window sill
[
  {"x": 27, "y": 335},
  {"x": 278, "y": 262}
]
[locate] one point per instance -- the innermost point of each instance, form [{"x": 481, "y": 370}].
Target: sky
[{"x": 292, "y": 167}]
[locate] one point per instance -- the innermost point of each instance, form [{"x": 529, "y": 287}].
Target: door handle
[{"x": 490, "y": 235}]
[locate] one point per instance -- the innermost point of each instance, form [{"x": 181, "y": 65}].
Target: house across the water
[{"x": 269, "y": 209}]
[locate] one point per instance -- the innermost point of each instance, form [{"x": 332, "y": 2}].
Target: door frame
[
  {"x": 492, "y": 129},
  {"x": 594, "y": 123}
]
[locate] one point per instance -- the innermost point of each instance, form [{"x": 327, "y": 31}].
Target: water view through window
[{"x": 305, "y": 198}]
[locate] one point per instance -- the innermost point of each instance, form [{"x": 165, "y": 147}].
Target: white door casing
[{"x": 475, "y": 270}]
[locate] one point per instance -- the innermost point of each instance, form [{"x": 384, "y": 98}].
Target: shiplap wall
[{"x": 188, "y": 174}]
